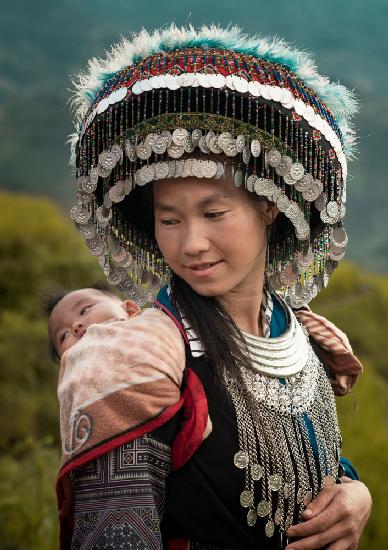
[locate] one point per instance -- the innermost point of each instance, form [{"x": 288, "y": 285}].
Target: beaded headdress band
[{"x": 211, "y": 103}]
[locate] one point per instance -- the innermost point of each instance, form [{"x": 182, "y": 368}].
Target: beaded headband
[{"x": 211, "y": 104}]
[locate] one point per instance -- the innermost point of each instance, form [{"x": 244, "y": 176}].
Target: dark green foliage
[{"x": 40, "y": 250}]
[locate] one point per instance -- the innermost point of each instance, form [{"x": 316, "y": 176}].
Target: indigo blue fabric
[{"x": 277, "y": 327}]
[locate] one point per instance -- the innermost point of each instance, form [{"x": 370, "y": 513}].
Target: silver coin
[
  {"x": 197, "y": 170},
  {"x": 293, "y": 211},
  {"x": 209, "y": 168},
  {"x": 240, "y": 143},
  {"x": 95, "y": 245},
  {"x": 178, "y": 169},
  {"x": 335, "y": 255},
  {"x": 333, "y": 209},
  {"x": 103, "y": 172},
  {"x": 241, "y": 459},
  {"x": 107, "y": 160},
  {"x": 289, "y": 180},
  {"x": 240, "y": 84},
  {"x": 159, "y": 145},
  {"x": 255, "y": 148},
  {"x": 278, "y": 517},
  {"x": 171, "y": 168},
  {"x": 311, "y": 193},
  {"x": 214, "y": 146},
  {"x": 82, "y": 215},
  {"x": 274, "y": 157},
  {"x": 304, "y": 183},
  {"x": 147, "y": 173},
  {"x": 223, "y": 138},
  {"x": 251, "y": 518},
  {"x": 283, "y": 203},
  {"x": 87, "y": 231},
  {"x": 116, "y": 192},
  {"x": 284, "y": 166},
  {"x": 296, "y": 302},
  {"x": 130, "y": 151},
  {"x": 246, "y": 154},
  {"x": 209, "y": 136},
  {"x": 246, "y": 499},
  {"x": 118, "y": 152},
  {"x": 257, "y": 472},
  {"x": 339, "y": 237},
  {"x": 261, "y": 186},
  {"x": 220, "y": 170},
  {"x": 150, "y": 139},
  {"x": 269, "y": 528},
  {"x": 114, "y": 277},
  {"x": 119, "y": 255},
  {"x": 302, "y": 230},
  {"x": 143, "y": 151},
  {"x": 175, "y": 151},
  {"x": 238, "y": 178},
  {"x": 251, "y": 180},
  {"x": 189, "y": 145},
  {"x": 230, "y": 148},
  {"x": 167, "y": 136},
  {"x": 186, "y": 169},
  {"x": 161, "y": 170},
  {"x": 203, "y": 145},
  {"x": 320, "y": 202},
  {"x": 297, "y": 171},
  {"x": 263, "y": 508},
  {"x": 179, "y": 136},
  {"x": 274, "y": 194},
  {"x": 93, "y": 175},
  {"x": 81, "y": 182},
  {"x": 196, "y": 135}
]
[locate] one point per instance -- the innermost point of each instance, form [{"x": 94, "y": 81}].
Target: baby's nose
[{"x": 78, "y": 328}]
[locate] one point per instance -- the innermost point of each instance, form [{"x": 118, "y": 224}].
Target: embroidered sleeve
[{"x": 119, "y": 497}]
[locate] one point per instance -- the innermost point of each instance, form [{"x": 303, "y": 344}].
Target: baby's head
[{"x": 71, "y": 313}]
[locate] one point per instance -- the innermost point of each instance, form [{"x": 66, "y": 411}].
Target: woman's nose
[{"x": 195, "y": 241}]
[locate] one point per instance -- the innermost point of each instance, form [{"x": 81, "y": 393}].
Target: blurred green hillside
[{"x": 39, "y": 250}]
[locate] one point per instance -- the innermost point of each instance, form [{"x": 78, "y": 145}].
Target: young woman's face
[{"x": 210, "y": 233}]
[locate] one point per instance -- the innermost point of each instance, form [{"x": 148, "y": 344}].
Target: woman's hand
[{"x": 335, "y": 519}]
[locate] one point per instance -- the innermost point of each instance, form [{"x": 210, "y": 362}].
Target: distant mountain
[{"x": 43, "y": 42}]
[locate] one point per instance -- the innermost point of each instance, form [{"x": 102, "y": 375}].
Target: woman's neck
[{"x": 244, "y": 306}]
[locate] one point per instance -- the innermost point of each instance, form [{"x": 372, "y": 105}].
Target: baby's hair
[{"x": 53, "y": 297}]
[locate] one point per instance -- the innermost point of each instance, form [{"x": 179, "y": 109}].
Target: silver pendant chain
[{"x": 282, "y": 471}]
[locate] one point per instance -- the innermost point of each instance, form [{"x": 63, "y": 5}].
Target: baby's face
[{"x": 72, "y": 315}]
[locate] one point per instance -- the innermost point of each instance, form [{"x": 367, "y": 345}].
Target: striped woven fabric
[{"x": 334, "y": 350}]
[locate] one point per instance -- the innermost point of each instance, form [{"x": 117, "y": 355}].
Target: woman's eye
[
  {"x": 168, "y": 222},
  {"x": 214, "y": 215}
]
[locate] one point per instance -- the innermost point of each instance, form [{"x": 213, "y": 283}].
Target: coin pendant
[
  {"x": 196, "y": 135},
  {"x": 278, "y": 517},
  {"x": 274, "y": 157},
  {"x": 246, "y": 499},
  {"x": 320, "y": 202},
  {"x": 107, "y": 160},
  {"x": 175, "y": 151},
  {"x": 130, "y": 151},
  {"x": 263, "y": 508},
  {"x": 304, "y": 183},
  {"x": 284, "y": 166},
  {"x": 251, "y": 517},
  {"x": 230, "y": 148},
  {"x": 257, "y": 472},
  {"x": 143, "y": 151},
  {"x": 159, "y": 145},
  {"x": 251, "y": 180},
  {"x": 332, "y": 209},
  {"x": 179, "y": 135},
  {"x": 203, "y": 145},
  {"x": 255, "y": 148},
  {"x": 297, "y": 171},
  {"x": 223, "y": 138},
  {"x": 238, "y": 178},
  {"x": 246, "y": 154},
  {"x": 270, "y": 528},
  {"x": 241, "y": 459}
]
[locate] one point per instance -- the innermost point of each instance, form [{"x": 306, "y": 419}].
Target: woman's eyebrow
[{"x": 210, "y": 199}]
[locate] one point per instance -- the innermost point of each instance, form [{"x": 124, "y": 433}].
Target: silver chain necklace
[{"x": 286, "y": 384}]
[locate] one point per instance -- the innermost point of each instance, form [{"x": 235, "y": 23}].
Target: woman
[{"x": 246, "y": 146}]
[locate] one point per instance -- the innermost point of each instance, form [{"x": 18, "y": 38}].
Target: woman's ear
[
  {"x": 272, "y": 212},
  {"x": 131, "y": 308}
]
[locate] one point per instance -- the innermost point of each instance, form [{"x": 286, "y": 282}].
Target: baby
[
  {"x": 113, "y": 377},
  {"x": 71, "y": 314}
]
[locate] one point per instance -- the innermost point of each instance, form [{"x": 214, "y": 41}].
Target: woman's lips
[{"x": 205, "y": 269}]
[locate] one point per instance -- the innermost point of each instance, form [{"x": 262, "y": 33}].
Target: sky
[{"x": 43, "y": 43}]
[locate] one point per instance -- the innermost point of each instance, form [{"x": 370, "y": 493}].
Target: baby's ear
[{"x": 131, "y": 308}]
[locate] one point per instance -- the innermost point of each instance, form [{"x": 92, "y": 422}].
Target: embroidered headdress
[{"x": 211, "y": 103}]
